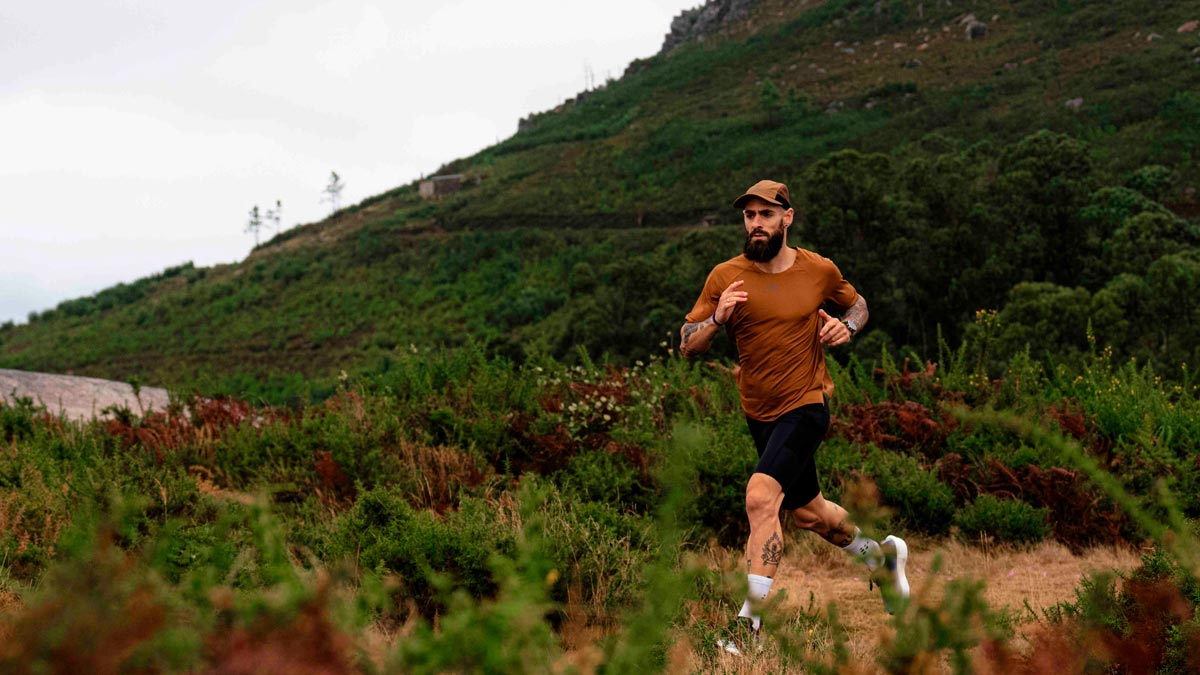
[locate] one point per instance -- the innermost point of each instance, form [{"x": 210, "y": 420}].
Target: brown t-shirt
[{"x": 777, "y": 329}]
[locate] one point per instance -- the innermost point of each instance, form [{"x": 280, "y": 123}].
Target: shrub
[
  {"x": 1009, "y": 520},
  {"x": 388, "y": 535},
  {"x": 921, "y": 501}
]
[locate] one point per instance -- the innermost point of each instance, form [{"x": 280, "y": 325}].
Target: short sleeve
[
  {"x": 840, "y": 291},
  {"x": 706, "y": 304}
]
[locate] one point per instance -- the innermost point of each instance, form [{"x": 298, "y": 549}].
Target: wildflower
[{"x": 607, "y": 417}]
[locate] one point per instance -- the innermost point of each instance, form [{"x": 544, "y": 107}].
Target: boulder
[
  {"x": 1189, "y": 27},
  {"x": 976, "y": 30}
]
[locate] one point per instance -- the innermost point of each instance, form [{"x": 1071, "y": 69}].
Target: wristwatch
[{"x": 850, "y": 325}]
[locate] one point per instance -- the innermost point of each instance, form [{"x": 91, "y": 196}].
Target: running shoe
[
  {"x": 741, "y": 637},
  {"x": 893, "y": 583}
]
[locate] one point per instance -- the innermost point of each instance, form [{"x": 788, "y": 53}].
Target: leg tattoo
[
  {"x": 841, "y": 535},
  {"x": 772, "y": 551}
]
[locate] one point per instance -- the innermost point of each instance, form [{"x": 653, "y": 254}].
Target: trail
[{"x": 1042, "y": 576}]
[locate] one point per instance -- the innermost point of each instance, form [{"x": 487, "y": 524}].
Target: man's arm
[
  {"x": 696, "y": 338},
  {"x": 837, "y": 331},
  {"x": 857, "y": 314}
]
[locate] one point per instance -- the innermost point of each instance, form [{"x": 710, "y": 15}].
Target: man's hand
[
  {"x": 729, "y": 299},
  {"x": 834, "y": 332}
]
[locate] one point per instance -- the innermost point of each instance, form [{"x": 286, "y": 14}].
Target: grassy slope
[{"x": 558, "y": 208}]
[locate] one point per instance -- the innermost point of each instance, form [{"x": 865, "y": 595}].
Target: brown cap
[{"x": 766, "y": 190}]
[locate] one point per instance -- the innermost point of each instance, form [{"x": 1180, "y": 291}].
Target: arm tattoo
[
  {"x": 772, "y": 551},
  {"x": 858, "y": 313},
  {"x": 690, "y": 329}
]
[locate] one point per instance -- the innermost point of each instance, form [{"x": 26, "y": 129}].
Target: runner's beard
[{"x": 762, "y": 251}]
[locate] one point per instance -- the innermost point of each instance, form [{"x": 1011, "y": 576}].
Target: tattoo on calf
[
  {"x": 772, "y": 551},
  {"x": 840, "y": 535}
]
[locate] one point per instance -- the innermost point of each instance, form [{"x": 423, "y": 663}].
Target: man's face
[{"x": 766, "y": 228}]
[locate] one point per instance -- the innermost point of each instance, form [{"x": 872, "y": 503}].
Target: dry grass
[{"x": 815, "y": 572}]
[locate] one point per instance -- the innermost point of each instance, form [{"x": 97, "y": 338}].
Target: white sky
[{"x": 137, "y": 134}]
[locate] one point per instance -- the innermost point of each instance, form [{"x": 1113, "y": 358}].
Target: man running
[{"x": 770, "y": 300}]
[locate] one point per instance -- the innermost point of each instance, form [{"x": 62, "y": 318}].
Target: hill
[{"x": 1022, "y": 170}]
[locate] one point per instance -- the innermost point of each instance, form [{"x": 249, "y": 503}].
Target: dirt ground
[{"x": 1042, "y": 577}]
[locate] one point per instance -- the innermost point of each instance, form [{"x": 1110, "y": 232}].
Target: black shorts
[{"x": 786, "y": 449}]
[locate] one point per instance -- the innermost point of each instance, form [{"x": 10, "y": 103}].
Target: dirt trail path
[
  {"x": 79, "y": 398},
  {"x": 1042, "y": 576}
]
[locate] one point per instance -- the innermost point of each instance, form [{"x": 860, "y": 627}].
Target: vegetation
[
  {"x": 453, "y": 435},
  {"x": 516, "y": 505},
  {"x": 944, "y": 181}
]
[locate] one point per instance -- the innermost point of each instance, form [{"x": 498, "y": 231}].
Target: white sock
[
  {"x": 759, "y": 587},
  {"x": 866, "y": 548}
]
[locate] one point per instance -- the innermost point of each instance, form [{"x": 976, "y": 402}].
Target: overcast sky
[{"x": 137, "y": 134}]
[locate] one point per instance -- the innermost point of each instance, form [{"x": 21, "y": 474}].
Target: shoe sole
[{"x": 901, "y": 559}]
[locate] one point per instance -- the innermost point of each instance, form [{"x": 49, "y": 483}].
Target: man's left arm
[
  {"x": 838, "y": 331},
  {"x": 857, "y": 315}
]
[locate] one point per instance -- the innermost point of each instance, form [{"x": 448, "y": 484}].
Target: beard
[{"x": 762, "y": 251}]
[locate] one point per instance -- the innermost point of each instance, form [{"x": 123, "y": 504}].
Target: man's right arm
[{"x": 696, "y": 338}]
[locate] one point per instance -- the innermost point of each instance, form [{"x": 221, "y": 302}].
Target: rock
[
  {"x": 1188, "y": 27},
  {"x": 1074, "y": 104},
  {"x": 923, "y": 46},
  {"x": 967, "y": 20},
  {"x": 976, "y": 30},
  {"x": 912, "y": 63},
  {"x": 700, "y": 22},
  {"x": 1152, "y": 37},
  {"x": 839, "y": 44},
  {"x": 898, "y": 45},
  {"x": 1010, "y": 66},
  {"x": 78, "y": 398},
  {"x": 847, "y": 50}
]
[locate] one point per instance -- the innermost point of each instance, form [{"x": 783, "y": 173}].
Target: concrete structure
[{"x": 436, "y": 186}]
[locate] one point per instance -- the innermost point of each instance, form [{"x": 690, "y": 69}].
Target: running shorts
[{"x": 786, "y": 449}]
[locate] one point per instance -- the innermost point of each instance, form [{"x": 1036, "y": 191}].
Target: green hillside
[{"x": 1045, "y": 174}]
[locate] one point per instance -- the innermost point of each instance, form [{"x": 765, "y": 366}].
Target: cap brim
[{"x": 741, "y": 201}]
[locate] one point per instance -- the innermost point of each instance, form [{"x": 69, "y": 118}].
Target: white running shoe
[
  {"x": 740, "y": 637},
  {"x": 893, "y": 583}
]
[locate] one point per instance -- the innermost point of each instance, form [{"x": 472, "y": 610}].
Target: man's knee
[{"x": 763, "y": 496}]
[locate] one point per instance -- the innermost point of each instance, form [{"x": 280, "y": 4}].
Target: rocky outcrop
[
  {"x": 78, "y": 398},
  {"x": 700, "y": 22}
]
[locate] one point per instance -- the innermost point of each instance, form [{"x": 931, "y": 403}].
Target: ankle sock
[
  {"x": 866, "y": 548},
  {"x": 760, "y": 586}
]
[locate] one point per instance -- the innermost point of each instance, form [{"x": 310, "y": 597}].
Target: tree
[
  {"x": 333, "y": 192},
  {"x": 255, "y": 223},
  {"x": 275, "y": 215}
]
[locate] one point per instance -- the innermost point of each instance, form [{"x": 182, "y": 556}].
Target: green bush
[
  {"x": 920, "y": 500},
  {"x": 1007, "y": 520},
  {"x": 385, "y": 534}
]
